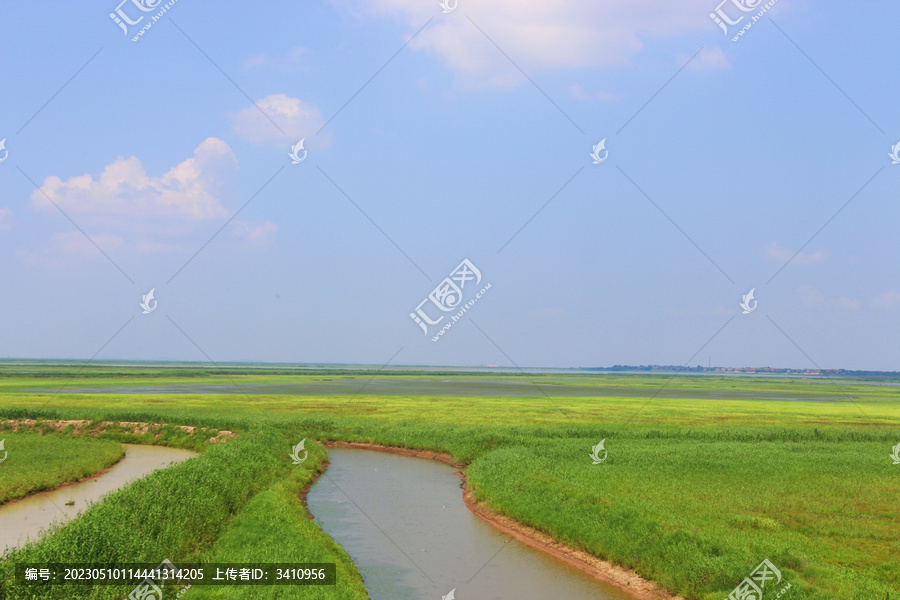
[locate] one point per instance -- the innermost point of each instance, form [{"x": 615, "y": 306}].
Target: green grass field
[
  {"x": 703, "y": 480},
  {"x": 38, "y": 462}
]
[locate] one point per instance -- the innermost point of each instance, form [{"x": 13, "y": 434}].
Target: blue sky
[{"x": 432, "y": 138}]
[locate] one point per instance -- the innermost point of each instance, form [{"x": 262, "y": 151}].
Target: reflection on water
[
  {"x": 403, "y": 522},
  {"x": 458, "y": 387},
  {"x": 26, "y": 518}
]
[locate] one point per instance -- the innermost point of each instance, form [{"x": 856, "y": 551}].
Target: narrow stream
[
  {"x": 26, "y": 518},
  {"x": 403, "y": 522}
]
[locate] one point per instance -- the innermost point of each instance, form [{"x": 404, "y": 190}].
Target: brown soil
[
  {"x": 84, "y": 427},
  {"x": 441, "y": 456},
  {"x": 599, "y": 569},
  {"x": 309, "y": 484}
]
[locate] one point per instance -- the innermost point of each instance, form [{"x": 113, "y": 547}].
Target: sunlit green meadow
[{"x": 694, "y": 493}]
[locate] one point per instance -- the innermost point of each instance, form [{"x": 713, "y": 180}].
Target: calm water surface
[
  {"x": 403, "y": 522},
  {"x": 454, "y": 387},
  {"x": 26, "y": 518}
]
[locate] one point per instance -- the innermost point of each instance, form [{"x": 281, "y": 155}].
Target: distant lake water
[{"x": 343, "y": 386}]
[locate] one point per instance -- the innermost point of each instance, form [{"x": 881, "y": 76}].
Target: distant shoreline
[{"x": 445, "y": 369}]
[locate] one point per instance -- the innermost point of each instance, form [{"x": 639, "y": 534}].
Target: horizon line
[{"x": 641, "y": 368}]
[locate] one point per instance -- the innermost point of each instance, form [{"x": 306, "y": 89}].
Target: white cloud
[
  {"x": 810, "y": 296},
  {"x": 73, "y": 243},
  {"x": 779, "y": 253},
  {"x": 295, "y": 118},
  {"x": 710, "y": 59},
  {"x": 5, "y": 217},
  {"x": 260, "y": 234},
  {"x": 293, "y": 60},
  {"x": 888, "y": 300},
  {"x": 847, "y": 303},
  {"x": 540, "y": 35},
  {"x": 252, "y": 62},
  {"x": 153, "y": 247},
  {"x": 123, "y": 189},
  {"x": 76, "y": 243},
  {"x": 579, "y": 93}
]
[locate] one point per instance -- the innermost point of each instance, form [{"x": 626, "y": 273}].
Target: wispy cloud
[
  {"x": 540, "y": 35},
  {"x": 258, "y": 234},
  {"x": 295, "y": 118},
  {"x": 63, "y": 246},
  {"x": 579, "y": 93},
  {"x": 5, "y": 217},
  {"x": 812, "y": 297},
  {"x": 889, "y": 300},
  {"x": 295, "y": 59},
  {"x": 708, "y": 59},
  {"x": 779, "y": 253}
]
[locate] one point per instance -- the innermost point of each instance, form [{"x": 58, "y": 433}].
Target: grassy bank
[
  {"x": 170, "y": 514},
  {"x": 697, "y": 516},
  {"x": 274, "y": 527},
  {"x": 235, "y": 502},
  {"x": 36, "y": 462}
]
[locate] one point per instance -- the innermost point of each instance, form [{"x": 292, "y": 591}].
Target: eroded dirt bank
[
  {"x": 86, "y": 427},
  {"x": 601, "y": 570}
]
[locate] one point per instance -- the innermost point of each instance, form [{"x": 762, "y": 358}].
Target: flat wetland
[{"x": 705, "y": 477}]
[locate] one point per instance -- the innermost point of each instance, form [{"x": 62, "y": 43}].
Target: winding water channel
[
  {"x": 26, "y": 518},
  {"x": 404, "y": 524}
]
